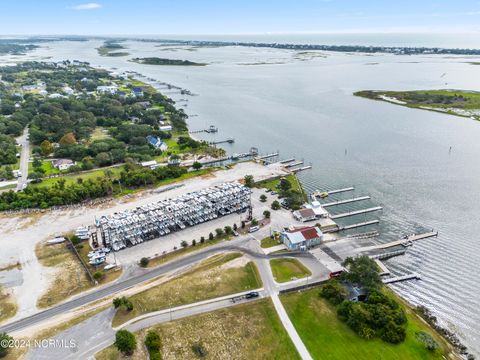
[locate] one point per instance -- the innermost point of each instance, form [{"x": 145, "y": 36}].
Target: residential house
[
  {"x": 62, "y": 164},
  {"x": 107, "y": 89},
  {"x": 301, "y": 238},
  {"x": 137, "y": 92},
  {"x": 166, "y": 128},
  {"x": 156, "y": 142}
]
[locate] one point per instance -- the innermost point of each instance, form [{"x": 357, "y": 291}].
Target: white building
[
  {"x": 302, "y": 238},
  {"x": 62, "y": 164},
  {"x": 104, "y": 89},
  {"x": 166, "y": 128}
]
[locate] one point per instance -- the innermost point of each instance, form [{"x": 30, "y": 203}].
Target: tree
[
  {"x": 153, "y": 344},
  {"x": 184, "y": 243},
  {"x": 46, "y": 148},
  {"x": 266, "y": 214},
  {"x": 202, "y": 239},
  {"x": 235, "y": 227},
  {"x": 263, "y": 198},
  {"x": 362, "y": 271},
  {"x": 197, "y": 166},
  {"x": 5, "y": 341},
  {"x": 254, "y": 222},
  {"x": 248, "y": 181},
  {"x": 125, "y": 342},
  {"x": 228, "y": 230},
  {"x": 219, "y": 232},
  {"x": 284, "y": 184},
  {"x": 210, "y": 236},
  {"x": 98, "y": 275},
  {"x": 123, "y": 302},
  {"x": 334, "y": 292},
  {"x": 144, "y": 262},
  {"x": 194, "y": 242},
  {"x": 275, "y": 205},
  {"x": 243, "y": 224},
  {"x": 67, "y": 139}
]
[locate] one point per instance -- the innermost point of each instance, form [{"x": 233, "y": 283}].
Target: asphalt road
[
  {"x": 240, "y": 244},
  {"x": 24, "y": 156}
]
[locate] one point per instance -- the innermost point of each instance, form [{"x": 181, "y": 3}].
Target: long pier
[
  {"x": 346, "y": 201},
  {"x": 404, "y": 241},
  {"x": 388, "y": 255},
  {"x": 296, "y": 163},
  {"x": 301, "y": 168},
  {"x": 357, "y": 225},
  {"x": 230, "y": 141},
  {"x": 356, "y": 212},
  {"x": 267, "y": 156},
  {"x": 331, "y": 192},
  {"x": 286, "y": 161},
  {"x": 401, "y": 278}
]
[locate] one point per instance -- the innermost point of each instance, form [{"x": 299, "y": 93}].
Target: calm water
[{"x": 304, "y": 107}]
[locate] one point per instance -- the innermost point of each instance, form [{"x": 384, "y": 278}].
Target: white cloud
[{"x": 87, "y": 6}]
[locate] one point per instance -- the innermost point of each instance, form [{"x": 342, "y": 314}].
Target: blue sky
[{"x": 236, "y": 17}]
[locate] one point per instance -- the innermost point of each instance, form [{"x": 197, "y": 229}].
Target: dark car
[{"x": 252, "y": 295}]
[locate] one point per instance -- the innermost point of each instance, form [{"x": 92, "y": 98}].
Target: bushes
[
  {"x": 153, "y": 344},
  {"x": 144, "y": 262},
  {"x": 125, "y": 342},
  {"x": 98, "y": 275},
  {"x": 333, "y": 292},
  {"x": 123, "y": 301},
  {"x": 427, "y": 340},
  {"x": 275, "y": 205}
]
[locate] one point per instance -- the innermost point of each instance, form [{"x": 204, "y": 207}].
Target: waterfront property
[
  {"x": 156, "y": 142},
  {"x": 131, "y": 227},
  {"x": 302, "y": 238},
  {"x": 62, "y": 164}
]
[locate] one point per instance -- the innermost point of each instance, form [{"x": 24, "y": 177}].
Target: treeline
[
  {"x": 61, "y": 193},
  {"x": 377, "y": 315},
  {"x": 163, "y": 61}
]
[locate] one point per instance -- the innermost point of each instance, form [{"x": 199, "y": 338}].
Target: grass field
[
  {"x": 87, "y": 175},
  {"x": 327, "y": 338},
  {"x": 8, "y": 307},
  {"x": 269, "y": 242},
  {"x": 273, "y": 184},
  {"x": 216, "y": 276},
  {"x": 288, "y": 269},
  {"x": 70, "y": 277},
  {"x": 247, "y": 331}
]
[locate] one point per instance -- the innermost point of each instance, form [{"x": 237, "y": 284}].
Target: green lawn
[
  {"x": 269, "y": 242},
  {"x": 288, "y": 269},
  {"x": 88, "y": 175},
  {"x": 46, "y": 166},
  {"x": 272, "y": 184},
  {"x": 327, "y": 338}
]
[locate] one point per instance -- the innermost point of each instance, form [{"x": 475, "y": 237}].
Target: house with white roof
[{"x": 301, "y": 238}]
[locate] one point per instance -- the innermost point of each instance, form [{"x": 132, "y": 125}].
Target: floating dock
[
  {"x": 401, "y": 278},
  {"x": 346, "y": 201},
  {"x": 356, "y": 212},
  {"x": 383, "y": 268},
  {"x": 388, "y": 255}
]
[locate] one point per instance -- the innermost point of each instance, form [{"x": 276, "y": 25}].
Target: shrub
[
  {"x": 199, "y": 350},
  {"x": 235, "y": 227},
  {"x": 334, "y": 292},
  {"x": 266, "y": 214},
  {"x": 263, "y": 198},
  {"x": 228, "y": 230},
  {"x": 144, "y": 261},
  {"x": 393, "y": 333},
  {"x": 98, "y": 275},
  {"x": 184, "y": 243},
  {"x": 275, "y": 205},
  {"x": 248, "y": 181},
  {"x": 254, "y": 222},
  {"x": 210, "y": 236},
  {"x": 219, "y": 232},
  {"x": 202, "y": 239},
  {"x": 153, "y": 344},
  {"x": 427, "y": 340},
  {"x": 194, "y": 242},
  {"x": 125, "y": 342},
  {"x": 5, "y": 339}
]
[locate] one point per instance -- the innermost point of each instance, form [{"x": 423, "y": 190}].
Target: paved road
[
  {"x": 242, "y": 244},
  {"x": 96, "y": 333},
  {"x": 24, "y": 156}
]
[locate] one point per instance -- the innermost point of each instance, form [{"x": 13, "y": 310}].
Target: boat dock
[
  {"x": 229, "y": 141},
  {"x": 356, "y": 212},
  {"x": 296, "y": 163},
  {"x": 388, "y": 255},
  {"x": 357, "y": 225},
  {"x": 287, "y": 161},
  {"x": 401, "y": 278},
  {"x": 346, "y": 201},
  {"x": 404, "y": 241},
  {"x": 267, "y": 156},
  {"x": 383, "y": 269},
  {"x": 301, "y": 168}
]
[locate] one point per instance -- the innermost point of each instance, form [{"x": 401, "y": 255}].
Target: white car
[{"x": 253, "y": 229}]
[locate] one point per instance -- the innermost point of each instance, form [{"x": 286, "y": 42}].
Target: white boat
[
  {"x": 109, "y": 266},
  {"x": 57, "y": 240}
]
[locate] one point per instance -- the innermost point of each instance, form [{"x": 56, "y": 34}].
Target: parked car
[
  {"x": 253, "y": 229},
  {"x": 252, "y": 295},
  {"x": 235, "y": 233}
]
